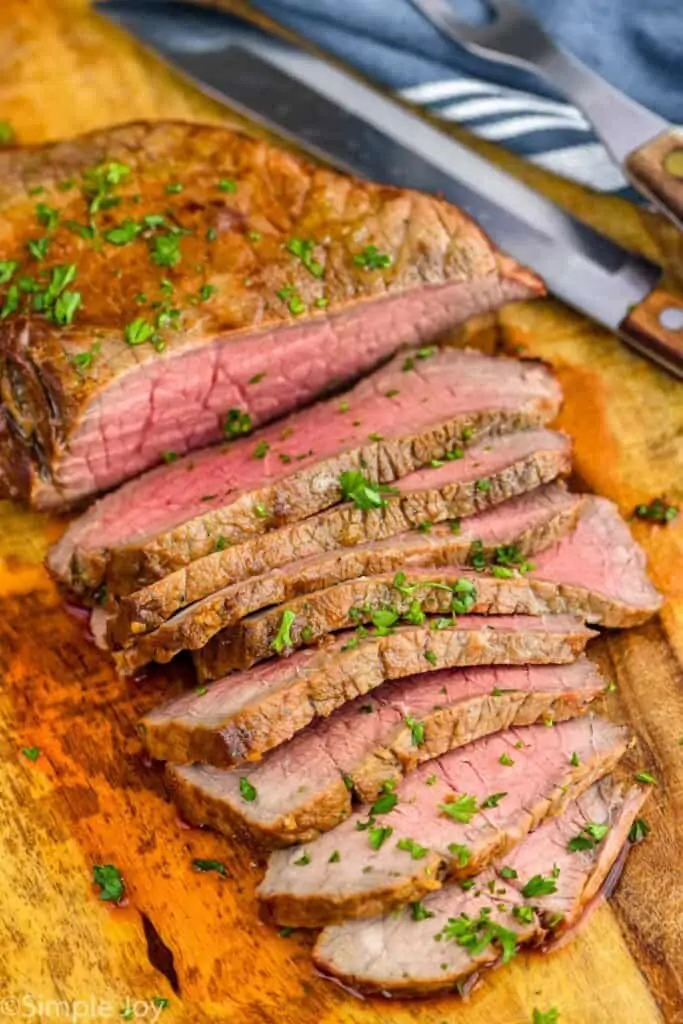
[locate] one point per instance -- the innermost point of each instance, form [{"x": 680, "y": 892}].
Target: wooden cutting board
[{"x": 195, "y": 939}]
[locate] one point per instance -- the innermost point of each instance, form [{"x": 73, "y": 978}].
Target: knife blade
[{"x": 341, "y": 119}]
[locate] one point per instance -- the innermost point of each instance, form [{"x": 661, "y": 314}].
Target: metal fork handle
[{"x": 628, "y": 129}]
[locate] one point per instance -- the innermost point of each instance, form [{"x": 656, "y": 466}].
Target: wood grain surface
[{"x": 195, "y": 939}]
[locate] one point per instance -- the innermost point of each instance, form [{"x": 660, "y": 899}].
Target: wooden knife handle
[
  {"x": 655, "y": 328},
  {"x": 657, "y": 168}
]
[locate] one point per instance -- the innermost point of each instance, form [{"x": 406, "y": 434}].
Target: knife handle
[
  {"x": 655, "y": 328},
  {"x": 657, "y": 169}
]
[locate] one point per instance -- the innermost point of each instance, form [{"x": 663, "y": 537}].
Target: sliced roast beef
[
  {"x": 596, "y": 573},
  {"x": 247, "y": 579},
  {"x": 387, "y": 426},
  {"x": 215, "y": 275},
  {"x": 453, "y": 489},
  {"x": 306, "y": 786},
  {"x": 446, "y": 820},
  {"x": 244, "y": 715},
  {"x": 483, "y": 926}
]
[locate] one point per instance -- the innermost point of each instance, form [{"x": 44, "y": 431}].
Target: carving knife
[{"x": 353, "y": 126}]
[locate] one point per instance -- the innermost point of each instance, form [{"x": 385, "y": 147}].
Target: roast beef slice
[
  {"x": 388, "y": 425},
  {"x": 85, "y": 409},
  {"x": 288, "y": 562},
  {"x": 508, "y": 466},
  {"x": 244, "y": 715},
  {"x": 596, "y": 573},
  {"x": 401, "y": 955},
  {"x": 500, "y": 787},
  {"x": 306, "y": 786}
]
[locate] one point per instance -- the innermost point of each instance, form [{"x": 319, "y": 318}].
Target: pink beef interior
[
  {"x": 442, "y": 386},
  {"x": 540, "y": 764},
  {"x": 178, "y": 403},
  {"x": 601, "y": 556}
]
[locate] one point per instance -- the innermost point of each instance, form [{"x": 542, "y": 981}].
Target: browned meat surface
[
  {"x": 389, "y": 425},
  {"x": 483, "y": 800},
  {"x": 397, "y": 954},
  {"x": 596, "y": 573},
  {"x": 492, "y": 471},
  {"x": 244, "y": 578},
  {"x": 252, "y": 281},
  {"x": 246, "y": 714},
  {"x": 306, "y": 786}
]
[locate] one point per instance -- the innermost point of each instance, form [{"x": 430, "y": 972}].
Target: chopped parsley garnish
[
  {"x": 525, "y": 913},
  {"x": 256, "y": 379},
  {"x": 283, "y": 639},
  {"x": 138, "y": 331},
  {"x": 539, "y": 886},
  {"x": 261, "y": 450},
  {"x": 247, "y": 791},
  {"x": 47, "y": 216},
  {"x": 424, "y": 527},
  {"x": 165, "y": 251},
  {"x": 211, "y": 235},
  {"x": 227, "y": 185},
  {"x": 110, "y": 881},
  {"x": 657, "y": 511},
  {"x": 639, "y": 830},
  {"x": 291, "y": 297},
  {"x": 416, "y": 851},
  {"x": 493, "y": 800},
  {"x": 32, "y": 753},
  {"x": 221, "y": 543},
  {"x": 387, "y": 799},
  {"x": 588, "y": 838},
  {"x": 475, "y": 934},
  {"x": 461, "y": 853},
  {"x": 123, "y": 233},
  {"x": 261, "y": 510},
  {"x": 430, "y": 656},
  {"x": 99, "y": 183},
  {"x": 462, "y": 809},
  {"x": 303, "y": 860},
  {"x": 378, "y": 834},
  {"x": 84, "y": 360},
  {"x": 11, "y": 302},
  {"x": 38, "y": 247},
  {"x": 334, "y": 857},
  {"x": 254, "y": 236},
  {"x": 417, "y": 730},
  {"x": 85, "y": 231},
  {"x": 431, "y": 781},
  {"x": 236, "y": 422},
  {"x": 174, "y": 186},
  {"x": 65, "y": 307},
  {"x": 506, "y": 760},
  {"x": 372, "y": 259},
  {"x": 362, "y": 492},
  {"x": 206, "y": 291},
  {"x": 7, "y": 268},
  {"x": 550, "y": 1016},
  {"x": 7, "y": 135},
  {"x": 303, "y": 250},
  {"x": 574, "y": 760},
  {"x": 501, "y": 572},
  {"x": 645, "y": 777},
  {"x": 419, "y": 912},
  {"x": 384, "y": 619},
  {"x": 169, "y": 457},
  {"x": 201, "y": 864},
  {"x": 161, "y": 1002},
  {"x": 321, "y": 303},
  {"x": 507, "y": 872},
  {"x": 483, "y": 485},
  {"x": 348, "y": 782},
  {"x": 464, "y": 596}
]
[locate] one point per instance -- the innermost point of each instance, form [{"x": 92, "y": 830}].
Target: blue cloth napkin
[{"x": 635, "y": 44}]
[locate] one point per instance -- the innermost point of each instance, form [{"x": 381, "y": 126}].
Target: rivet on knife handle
[
  {"x": 655, "y": 327},
  {"x": 657, "y": 167}
]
